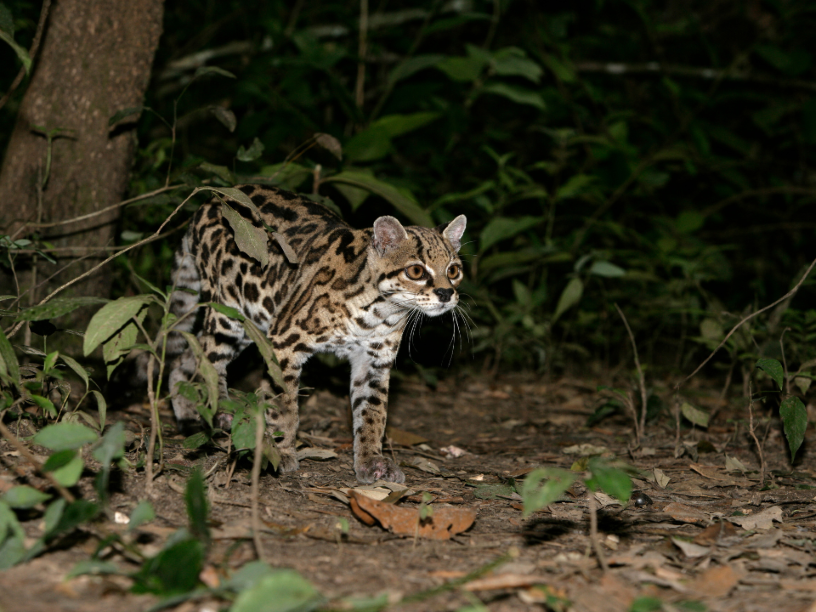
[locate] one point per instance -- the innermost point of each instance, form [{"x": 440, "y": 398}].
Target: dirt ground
[{"x": 710, "y": 539}]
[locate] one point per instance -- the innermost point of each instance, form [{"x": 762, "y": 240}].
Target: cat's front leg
[{"x": 370, "y": 372}]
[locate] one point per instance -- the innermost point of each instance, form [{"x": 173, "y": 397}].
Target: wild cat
[{"x": 351, "y": 294}]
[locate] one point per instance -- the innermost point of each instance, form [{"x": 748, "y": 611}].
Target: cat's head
[{"x": 418, "y": 267}]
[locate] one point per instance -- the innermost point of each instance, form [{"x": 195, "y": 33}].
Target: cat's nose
[{"x": 444, "y": 294}]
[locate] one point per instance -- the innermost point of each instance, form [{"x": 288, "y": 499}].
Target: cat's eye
[
  {"x": 453, "y": 271},
  {"x": 415, "y": 272}
]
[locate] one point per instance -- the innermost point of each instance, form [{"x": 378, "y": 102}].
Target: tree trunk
[{"x": 95, "y": 60}]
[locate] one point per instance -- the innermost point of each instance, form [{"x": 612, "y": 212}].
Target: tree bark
[{"x": 95, "y": 60}]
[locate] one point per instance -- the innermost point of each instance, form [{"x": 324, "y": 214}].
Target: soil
[{"x": 679, "y": 543}]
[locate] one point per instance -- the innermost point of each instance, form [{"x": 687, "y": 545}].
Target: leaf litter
[{"x": 713, "y": 538}]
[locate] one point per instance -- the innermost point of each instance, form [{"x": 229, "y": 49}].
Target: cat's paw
[
  {"x": 288, "y": 462},
  {"x": 222, "y": 421},
  {"x": 378, "y": 468}
]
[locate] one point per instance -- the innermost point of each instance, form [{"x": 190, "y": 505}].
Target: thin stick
[
  {"x": 753, "y": 435},
  {"x": 12, "y": 439},
  {"x": 96, "y": 213},
  {"x": 641, "y": 379},
  {"x": 256, "y": 483},
  {"x": 32, "y": 53},
  {"x": 16, "y": 328},
  {"x": 593, "y": 532},
  {"x": 789, "y": 294},
  {"x": 784, "y": 362},
  {"x": 154, "y": 428}
]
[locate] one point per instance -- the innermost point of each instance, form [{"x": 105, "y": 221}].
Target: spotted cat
[{"x": 351, "y": 294}]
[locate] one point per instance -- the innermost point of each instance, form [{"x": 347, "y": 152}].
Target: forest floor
[{"x": 706, "y": 535}]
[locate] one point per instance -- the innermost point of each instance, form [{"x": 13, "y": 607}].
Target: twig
[
  {"x": 154, "y": 428},
  {"x": 639, "y": 429},
  {"x": 593, "y": 531},
  {"x": 784, "y": 362},
  {"x": 256, "y": 480},
  {"x": 12, "y": 439},
  {"x": 789, "y": 294},
  {"x": 753, "y": 435},
  {"x": 32, "y": 53},
  {"x": 16, "y": 328},
  {"x": 96, "y": 213}
]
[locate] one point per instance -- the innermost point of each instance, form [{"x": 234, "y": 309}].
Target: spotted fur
[{"x": 351, "y": 294}]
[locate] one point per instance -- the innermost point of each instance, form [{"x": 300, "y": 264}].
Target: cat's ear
[
  {"x": 388, "y": 234},
  {"x": 453, "y": 231}
]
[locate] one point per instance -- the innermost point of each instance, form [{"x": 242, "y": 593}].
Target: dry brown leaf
[
  {"x": 660, "y": 478},
  {"x": 716, "y": 582},
  {"x": 716, "y": 533},
  {"x": 421, "y": 463},
  {"x": 686, "y": 514},
  {"x": 761, "y": 520},
  {"x": 441, "y": 525},
  {"x": 691, "y": 550},
  {"x": 403, "y": 438}
]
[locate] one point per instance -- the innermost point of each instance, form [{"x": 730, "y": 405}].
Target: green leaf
[
  {"x": 243, "y": 434},
  {"x": 512, "y": 61},
  {"x": 574, "y": 186},
  {"x": 237, "y": 195},
  {"x": 462, "y": 69},
  {"x": 59, "y": 459},
  {"x": 569, "y": 297},
  {"x": 78, "y": 369},
  {"x": 231, "y": 312},
  {"x": 94, "y": 567},
  {"x": 207, "y": 70},
  {"x": 407, "y": 206},
  {"x": 514, "y": 93},
  {"x": 68, "y": 475},
  {"x": 250, "y": 239},
  {"x": 412, "y": 65},
  {"x": 606, "y": 269},
  {"x": 57, "y": 307},
  {"x": 224, "y": 115},
  {"x": 115, "y": 348},
  {"x": 173, "y": 571},
  {"x": 125, "y": 112},
  {"x": 9, "y": 365},
  {"x": 267, "y": 352},
  {"x": 689, "y": 221},
  {"x": 142, "y": 513},
  {"x": 196, "y": 440},
  {"x": 282, "y": 591},
  {"x": 102, "y": 407},
  {"x": 354, "y": 195},
  {"x": 248, "y": 576},
  {"x": 330, "y": 143},
  {"x": 43, "y": 402},
  {"x": 695, "y": 415},
  {"x": 222, "y": 172},
  {"x": 12, "y": 552},
  {"x": 795, "y": 420},
  {"x": 396, "y": 125},
  {"x": 501, "y": 228},
  {"x": 22, "y": 54},
  {"x": 611, "y": 480},
  {"x": 112, "y": 446},
  {"x": 23, "y": 497},
  {"x": 210, "y": 376},
  {"x": 75, "y": 514},
  {"x": 773, "y": 368},
  {"x": 254, "y": 151},
  {"x": 536, "y": 496},
  {"x": 195, "y": 497},
  {"x": 368, "y": 145},
  {"x": 111, "y": 317},
  {"x": 53, "y": 515},
  {"x": 288, "y": 175},
  {"x": 65, "y": 436}
]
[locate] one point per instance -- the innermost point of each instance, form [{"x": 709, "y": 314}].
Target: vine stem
[
  {"x": 789, "y": 294},
  {"x": 32, "y": 53},
  {"x": 256, "y": 483}
]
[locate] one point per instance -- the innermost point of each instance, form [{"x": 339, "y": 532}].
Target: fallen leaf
[
  {"x": 716, "y": 533},
  {"x": 715, "y": 582},
  {"x": 453, "y": 451},
  {"x": 585, "y": 450},
  {"x": 423, "y": 464},
  {"x": 316, "y": 454},
  {"x": 403, "y": 438},
  {"x": 732, "y": 464},
  {"x": 372, "y": 492},
  {"x": 691, "y": 550},
  {"x": 761, "y": 520},
  {"x": 686, "y": 514},
  {"x": 441, "y": 525},
  {"x": 605, "y": 500},
  {"x": 492, "y": 491},
  {"x": 660, "y": 478},
  {"x": 712, "y": 473}
]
